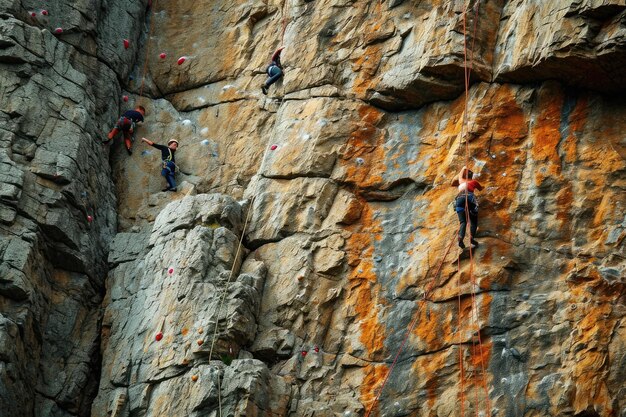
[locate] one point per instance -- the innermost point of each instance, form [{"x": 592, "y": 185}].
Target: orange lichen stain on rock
[
  {"x": 545, "y": 136},
  {"x": 364, "y": 142},
  {"x": 364, "y": 290},
  {"x": 428, "y": 369},
  {"x": 372, "y": 382},
  {"x": 434, "y": 327},
  {"x": 593, "y": 329},
  {"x": 564, "y": 199}
]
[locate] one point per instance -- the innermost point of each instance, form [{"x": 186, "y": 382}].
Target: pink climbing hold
[
  {"x": 126, "y": 43},
  {"x": 158, "y": 336},
  {"x": 44, "y": 12},
  {"x": 181, "y": 60},
  {"x": 162, "y": 55},
  {"x": 33, "y": 14},
  {"x": 170, "y": 271},
  {"x": 273, "y": 147},
  {"x": 89, "y": 219},
  {"x": 58, "y": 31},
  {"x": 125, "y": 98}
]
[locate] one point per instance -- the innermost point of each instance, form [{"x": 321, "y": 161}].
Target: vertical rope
[{"x": 410, "y": 329}]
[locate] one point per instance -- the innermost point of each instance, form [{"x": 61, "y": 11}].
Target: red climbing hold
[
  {"x": 33, "y": 14},
  {"x": 125, "y": 98},
  {"x": 194, "y": 378},
  {"x": 200, "y": 342},
  {"x": 181, "y": 60},
  {"x": 273, "y": 147},
  {"x": 44, "y": 12},
  {"x": 126, "y": 43},
  {"x": 89, "y": 219},
  {"x": 158, "y": 336},
  {"x": 162, "y": 55},
  {"x": 170, "y": 271},
  {"x": 58, "y": 31},
  {"x": 316, "y": 349},
  {"x": 303, "y": 353}
]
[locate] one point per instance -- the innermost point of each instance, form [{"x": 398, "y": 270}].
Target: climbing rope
[
  {"x": 411, "y": 327},
  {"x": 475, "y": 328},
  {"x": 460, "y": 322}
]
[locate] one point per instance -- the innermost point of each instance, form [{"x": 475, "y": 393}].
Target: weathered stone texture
[{"x": 338, "y": 183}]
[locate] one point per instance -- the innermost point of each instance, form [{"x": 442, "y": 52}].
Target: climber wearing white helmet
[{"x": 169, "y": 164}]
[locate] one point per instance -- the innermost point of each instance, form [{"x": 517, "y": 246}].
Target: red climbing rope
[
  {"x": 427, "y": 292},
  {"x": 473, "y": 310},
  {"x": 460, "y": 321}
]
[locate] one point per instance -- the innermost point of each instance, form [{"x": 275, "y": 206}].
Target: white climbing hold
[
  {"x": 306, "y": 136},
  {"x": 186, "y": 122},
  {"x": 205, "y": 142},
  {"x": 204, "y": 131},
  {"x": 493, "y": 156},
  {"x": 202, "y": 100},
  {"x": 504, "y": 174},
  {"x": 227, "y": 86},
  {"x": 360, "y": 161}
]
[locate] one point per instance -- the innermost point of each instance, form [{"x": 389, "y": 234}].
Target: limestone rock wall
[
  {"x": 57, "y": 201},
  {"x": 339, "y": 182}
]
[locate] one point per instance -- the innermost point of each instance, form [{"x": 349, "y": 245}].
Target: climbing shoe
[
  {"x": 474, "y": 243},
  {"x": 461, "y": 244},
  {"x": 172, "y": 189},
  {"x": 166, "y": 189},
  {"x": 264, "y": 89},
  {"x": 129, "y": 150}
]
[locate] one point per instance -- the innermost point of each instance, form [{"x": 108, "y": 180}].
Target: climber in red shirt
[
  {"x": 274, "y": 71},
  {"x": 126, "y": 124},
  {"x": 466, "y": 200}
]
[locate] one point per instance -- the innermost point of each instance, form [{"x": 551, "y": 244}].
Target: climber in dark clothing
[
  {"x": 169, "y": 163},
  {"x": 274, "y": 71},
  {"x": 466, "y": 200},
  {"x": 126, "y": 124}
]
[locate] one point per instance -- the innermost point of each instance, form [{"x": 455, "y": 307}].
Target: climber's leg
[
  {"x": 112, "y": 133},
  {"x": 275, "y": 73},
  {"x": 463, "y": 226},
  {"x": 127, "y": 142},
  {"x": 473, "y": 215}
]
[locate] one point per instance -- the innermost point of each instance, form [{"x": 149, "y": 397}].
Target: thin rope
[
  {"x": 410, "y": 329},
  {"x": 232, "y": 271},
  {"x": 467, "y": 72}
]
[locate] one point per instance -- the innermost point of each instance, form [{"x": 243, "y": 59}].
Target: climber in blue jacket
[
  {"x": 168, "y": 169},
  {"x": 274, "y": 71}
]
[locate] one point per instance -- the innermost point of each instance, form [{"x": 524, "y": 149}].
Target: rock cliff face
[{"x": 311, "y": 249}]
